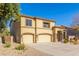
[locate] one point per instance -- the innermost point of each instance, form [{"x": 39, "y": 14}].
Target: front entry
[{"x": 59, "y": 36}]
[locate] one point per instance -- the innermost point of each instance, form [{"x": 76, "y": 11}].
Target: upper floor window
[
  {"x": 46, "y": 25},
  {"x": 29, "y": 22}
]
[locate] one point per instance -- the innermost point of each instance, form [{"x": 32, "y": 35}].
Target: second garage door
[
  {"x": 44, "y": 38},
  {"x": 27, "y": 39}
]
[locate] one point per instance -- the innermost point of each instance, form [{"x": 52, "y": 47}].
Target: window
[
  {"x": 29, "y": 22},
  {"x": 46, "y": 25}
]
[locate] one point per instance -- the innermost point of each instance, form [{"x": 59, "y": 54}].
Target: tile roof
[{"x": 37, "y": 18}]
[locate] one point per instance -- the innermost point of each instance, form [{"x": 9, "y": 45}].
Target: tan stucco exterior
[
  {"x": 37, "y": 29},
  {"x": 37, "y": 32},
  {"x": 62, "y": 30}
]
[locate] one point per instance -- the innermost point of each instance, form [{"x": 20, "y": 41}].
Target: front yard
[
  {"x": 11, "y": 51},
  {"x": 41, "y": 49}
]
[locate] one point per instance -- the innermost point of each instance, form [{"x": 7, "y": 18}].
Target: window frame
[
  {"x": 28, "y": 22},
  {"x": 45, "y": 23}
]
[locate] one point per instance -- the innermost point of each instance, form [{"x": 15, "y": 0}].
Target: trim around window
[
  {"x": 46, "y": 25},
  {"x": 28, "y": 22}
]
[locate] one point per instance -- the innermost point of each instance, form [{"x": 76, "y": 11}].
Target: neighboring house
[
  {"x": 73, "y": 32},
  {"x": 76, "y": 29},
  {"x": 35, "y": 30}
]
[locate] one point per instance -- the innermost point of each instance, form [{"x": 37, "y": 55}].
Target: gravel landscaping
[
  {"x": 13, "y": 52},
  {"x": 41, "y": 49}
]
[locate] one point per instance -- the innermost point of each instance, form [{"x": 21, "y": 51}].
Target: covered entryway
[
  {"x": 44, "y": 38},
  {"x": 28, "y": 38},
  {"x": 59, "y": 36}
]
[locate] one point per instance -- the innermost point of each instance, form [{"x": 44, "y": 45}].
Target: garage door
[
  {"x": 27, "y": 39},
  {"x": 44, "y": 38}
]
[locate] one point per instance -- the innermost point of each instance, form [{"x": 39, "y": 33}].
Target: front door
[{"x": 59, "y": 36}]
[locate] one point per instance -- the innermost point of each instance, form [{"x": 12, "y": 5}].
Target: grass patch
[
  {"x": 20, "y": 47},
  {"x": 66, "y": 40},
  {"x": 7, "y": 45}
]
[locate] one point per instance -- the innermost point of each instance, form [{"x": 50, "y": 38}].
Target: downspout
[
  {"x": 54, "y": 33},
  {"x": 35, "y": 41}
]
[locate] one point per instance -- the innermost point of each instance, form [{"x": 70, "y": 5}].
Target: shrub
[
  {"x": 71, "y": 40},
  {"x": 65, "y": 40},
  {"x": 20, "y": 47},
  {"x": 7, "y": 45},
  {"x": 75, "y": 41}
]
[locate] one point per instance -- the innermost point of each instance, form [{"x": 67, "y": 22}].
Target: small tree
[{"x": 7, "y": 11}]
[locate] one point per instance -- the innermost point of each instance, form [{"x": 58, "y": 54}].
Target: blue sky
[{"x": 62, "y": 13}]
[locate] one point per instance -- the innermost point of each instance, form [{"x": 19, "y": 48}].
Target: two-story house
[{"x": 34, "y": 30}]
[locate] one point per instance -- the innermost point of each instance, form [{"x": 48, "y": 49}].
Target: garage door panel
[
  {"x": 44, "y": 38},
  {"x": 27, "y": 39}
]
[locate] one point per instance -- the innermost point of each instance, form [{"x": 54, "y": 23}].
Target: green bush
[
  {"x": 20, "y": 47},
  {"x": 66, "y": 40},
  {"x": 7, "y": 45}
]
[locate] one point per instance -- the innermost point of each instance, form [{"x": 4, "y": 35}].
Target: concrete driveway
[{"x": 57, "y": 49}]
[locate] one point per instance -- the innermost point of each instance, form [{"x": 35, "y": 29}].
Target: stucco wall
[
  {"x": 20, "y": 28},
  {"x": 40, "y": 23},
  {"x": 40, "y": 31},
  {"x": 23, "y": 21},
  {"x": 27, "y": 30},
  {"x": 56, "y": 30},
  {"x": 39, "y": 26}
]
